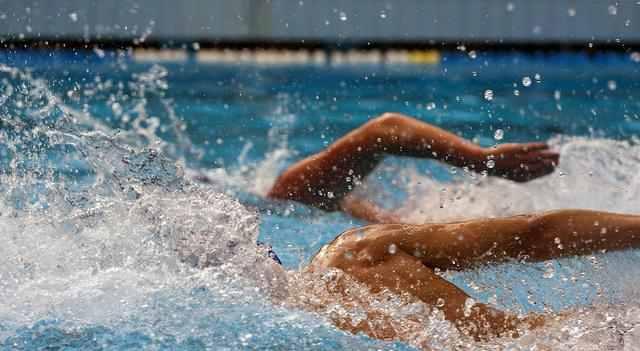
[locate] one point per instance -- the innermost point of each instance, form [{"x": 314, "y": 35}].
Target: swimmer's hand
[{"x": 520, "y": 162}]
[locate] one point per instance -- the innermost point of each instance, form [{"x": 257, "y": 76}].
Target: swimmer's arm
[{"x": 367, "y": 210}]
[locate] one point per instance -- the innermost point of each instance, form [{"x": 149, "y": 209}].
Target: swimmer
[
  {"x": 403, "y": 258},
  {"x": 326, "y": 179}
]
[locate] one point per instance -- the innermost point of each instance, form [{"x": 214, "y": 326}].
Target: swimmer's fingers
[
  {"x": 530, "y": 147},
  {"x": 524, "y": 152},
  {"x": 524, "y": 147},
  {"x": 529, "y": 171},
  {"x": 538, "y": 169},
  {"x": 522, "y": 162},
  {"x": 540, "y": 152},
  {"x": 523, "y": 170},
  {"x": 511, "y": 150},
  {"x": 541, "y": 156}
]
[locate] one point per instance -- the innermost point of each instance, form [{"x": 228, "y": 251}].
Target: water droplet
[
  {"x": 488, "y": 95},
  {"x": 468, "y": 304},
  {"x": 510, "y": 7},
  {"x": 537, "y": 77},
  {"x": 491, "y": 164},
  {"x": 343, "y": 16},
  {"x": 330, "y": 195},
  {"x": 558, "y": 243},
  {"x": 556, "y": 95},
  {"x": 430, "y": 106},
  {"x": 613, "y": 10},
  {"x": 472, "y": 54},
  {"x": 612, "y": 85},
  {"x": 526, "y": 81},
  {"x": 393, "y": 249},
  {"x": 99, "y": 52},
  {"x": 440, "y": 302},
  {"x": 571, "y": 12},
  {"x": 73, "y": 16},
  {"x": 516, "y": 92},
  {"x": 549, "y": 272},
  {"x": 116, "y": 108},
  {"x": 499, "y": 134},
  {"x": 383, "y": 14}
]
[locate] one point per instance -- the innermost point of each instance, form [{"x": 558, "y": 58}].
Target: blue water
[{"x": 235, "y": 117}]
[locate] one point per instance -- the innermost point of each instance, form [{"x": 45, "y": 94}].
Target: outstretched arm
[
  {"x": 402, "y": 257},
  {"x": 403, "y": 273},
  {"x": 324, "y": 179},
  {"x": 401, "y": 135},
  {"x": 535, "y": 237}
]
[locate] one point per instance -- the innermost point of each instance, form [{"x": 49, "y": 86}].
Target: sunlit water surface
[{"x": 110, "y": 242}]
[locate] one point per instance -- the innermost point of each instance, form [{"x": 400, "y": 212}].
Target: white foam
[
  {"x": 597, "y": 174},
  {"x": 97, "y": 250}
]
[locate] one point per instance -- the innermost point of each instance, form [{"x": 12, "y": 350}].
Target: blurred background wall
[{"x": 323, "y": 20}]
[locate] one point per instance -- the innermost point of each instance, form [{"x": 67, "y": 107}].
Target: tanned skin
[
  {"x": 326, "y": 179},
  {"x": 403, "y": 257}
]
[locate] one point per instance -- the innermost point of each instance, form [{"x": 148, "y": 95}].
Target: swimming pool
[{"x": 87, "y": 265}]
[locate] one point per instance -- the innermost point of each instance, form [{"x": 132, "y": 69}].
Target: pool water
[{"x": 96, "y": 246}]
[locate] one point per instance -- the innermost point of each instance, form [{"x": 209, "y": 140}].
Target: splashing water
[
  {"x": 136, "y": 215},
  {"x": 257, "y": 177},
  {"x": 597, "y": 174},
  {"x": 106, "y": 243}
]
